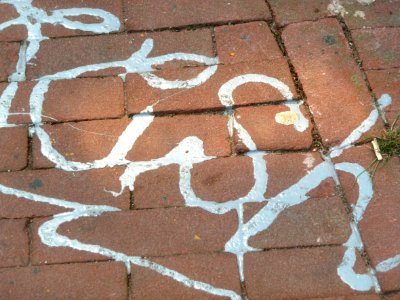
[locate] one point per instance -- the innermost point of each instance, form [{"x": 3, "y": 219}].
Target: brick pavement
[{"x": 198, "y": 149}]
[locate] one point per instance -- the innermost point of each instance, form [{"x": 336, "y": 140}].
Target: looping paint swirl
[{"x": 188, "y": 152}]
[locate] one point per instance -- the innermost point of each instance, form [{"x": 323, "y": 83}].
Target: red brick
[
  {"x": 266, "y": 133},
  {"x": 82, "y": 51},
  {"x": 295, "y": 273},
  {"x": 205, "y": 96},
  {"x": 114, "y": 7},
  {"x": 380, "y": 224},
  {"x": 379, "y": 48},
  {"x": 216, "y": 180},
  {"x": 70, "y": 281},
  {"x": 8, "y": 60},
  {"x": 393, "y": 296},
  {"x": 14, "y": 32},
  {"x": 165, "y": 133},
  {"x": 13, "y": 243},
  {"x": 160, "y": 14},
  {"x": 219, "y": 270},
  {"x": 86, "y": 187},
  {"x": 70, "y": 100},
  {"x": 335, "y": 90},
  {"x": 377, "y": 14},
  {"x": 13, "y": 148},
  {"x": 246, "y": 42},
  {"x": 83, "y": 141},
  {"x": 387, "y": 82},
  {"x": 317, "y": 221},
  {"x": 287, "y": 12},
  {"x": 154, "y": 232}
]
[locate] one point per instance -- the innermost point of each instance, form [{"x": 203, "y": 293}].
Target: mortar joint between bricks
[
  {"x": 243, "y": 290},
  {"x": 29, "y": 224}
]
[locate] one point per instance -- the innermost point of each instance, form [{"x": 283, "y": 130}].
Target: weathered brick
[
  {"x": 114, "y": 7},
  {"x": 13, "y": 148},
  {"x": 287, "y": 12},
  {"x": 86, "y": 187},
  {"x": 160, "y": 14},
  {"x": 14, "y": 243},
  {"x": 70, "y": 100},
  {"x": 8, "y": 60},
  {"x": 83, "y": 141},
  {"x": 317, "y": 221},
  {"x": 380, "y": 224},
  {"x": 154, "y": 232},
  {"x": 335, "y": 90},
  {"x": 165, "y": 133},
  {"x": 295, "y": 273},
  {"x": 82, "y": 51},
  {"x": 246, "y": 42},
  {"x": 205, "y": 96},
  {"x": 219, "y": 269},
  {"x": 216, "y": 180},
  {"x": 69, "y": 281},
  {"x": 387, "y": 82},
  {"x": 14, "y": 32},
  {"x": 266, "y": 133},
  {"x": 379, "y": 48}
]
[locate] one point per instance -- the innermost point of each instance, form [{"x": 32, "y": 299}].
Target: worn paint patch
[
  {"x": 309, "y": 161},
  {"x": 336, "y": 7},
  {"x": 286, "y": 118},
  {"x": 359, "y": 13}
]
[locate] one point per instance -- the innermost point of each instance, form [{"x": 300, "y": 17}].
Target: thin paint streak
[
  {"x": 5, "y": 102},
  {"x": 388, "y": 264},
  {"x": 366, "y": 125},
  {"x": 19, "y": 74}
]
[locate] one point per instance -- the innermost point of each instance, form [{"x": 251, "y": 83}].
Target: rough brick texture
[{"x": 14, "y": 243}]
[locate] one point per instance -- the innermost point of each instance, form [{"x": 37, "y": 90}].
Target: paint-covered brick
[
  {"x": 380, "y": 223},
  {"x": 90, "y": 50},
  {"x": 14, "y": 243},
  {"x": 86, "y": 187},
  {"x": 295, "y": 273},
  {"x": 246, "y": 42},
  {"x": 219, "y": 270},
  {"x": 205, "y": 96},
  {"x": 13, "y": 148},
  {"x": 264, "y": 129},
  {"x": 71, "y": 100},
  {"x": 68, "y": 281},
  {"x": 379, "y": 48},
  {"x": 387, "y": 82},
  {"x": 58, "y": 30},
  {"x": 14, "y": 32},
  {"x": 156, "y": 14},
  {"x": 8, "y": 59},
  {"x": 153, "y": 232},
  {"x": 334, "y": 86}
]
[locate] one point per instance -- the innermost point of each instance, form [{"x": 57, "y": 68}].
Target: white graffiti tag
[{"x": 186, "y": 154}]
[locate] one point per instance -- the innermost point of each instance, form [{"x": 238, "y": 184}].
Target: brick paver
[{"x": 198, "y": 149}]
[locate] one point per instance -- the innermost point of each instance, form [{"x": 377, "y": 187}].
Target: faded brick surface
[
  {"x": 387, "y": 82},
  {"x": 295, "y": 273},
  {"x": 205, "y": 96},
  {"x": 71, "y": 100},
  {"x": 380, "y": 224},
  {"x": 219, "y": 270},
  {"x": 154, "y": 232},
  {"x": 114, "y": 7},
  {"x": 13, "y": 148},
  {"x": 106, "y": 48},
  {"x": 379, "y": 48},
  {"x": 69, "y": 281},
  {"x": 246, "y": 42},
  {"x": 8, "y": 60},
  {"x": 14, "y": 243},
  {"x": 155, "y": 14},
  {"x": 14, "y": 32},
  {"x": 268, "y": 134},
  {"x": 86, "y": 187},
  {"x": 335, "y": 90}
]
